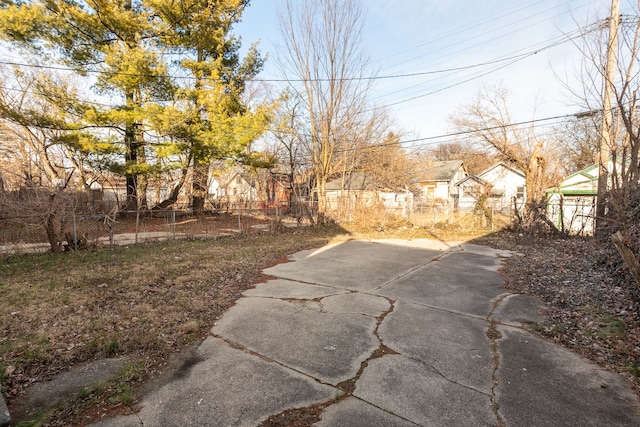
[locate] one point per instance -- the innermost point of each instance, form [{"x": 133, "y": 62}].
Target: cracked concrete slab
[
  {"x": 67, "y": 385},
  {"x": 280, "y": 288},
  {"x": 486, "y": 250},
  {"x": 414, "y": 391},
  {"x": 431, "y": 309},
  {"x": 453, "y": 344},
  {"x": 432, "y": 245},
  {"x": 356, "y": 303},
  {"x": 480, "y": 262},
  {"x": 456, "y": 286},
  {"x": 326, "y": 346},
  {"x": 541, "y": 384},
  {"x": 5, "y": 416},
  {"x": 226, "y": 387},
  {"x": 343, "y": 265},
  {"x": 353, "y": 412},
  {"x": 519, "y": 310}
]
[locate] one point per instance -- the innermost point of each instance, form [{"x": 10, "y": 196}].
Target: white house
[
  {"x": 507, "y": 186},
  {"x": 500, "y": 185},
  {"x": 469, "y": 191},
  {"x": 437, "y": 183},
  {"x": 234, "y": 187},
  {"x": 571, "y": 205}
]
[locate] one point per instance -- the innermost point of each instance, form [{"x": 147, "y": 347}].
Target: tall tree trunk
[
  {"x": 322, "y": 199},
  {"x": 175, "y": 192},
  {"x": 142, "y": 179},
  {"x": 50, "y": 225},
  {"x": 131, "y": 148},
  {"x": 131, "y": 159},
  {"x": 199, "y": 188}
]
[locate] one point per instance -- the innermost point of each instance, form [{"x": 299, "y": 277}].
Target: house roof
[
  {"x": 441, "y": 171},
  {"x": 503, "y": 165},
  {"x": 353, "y": 181},
  {"x": 582, "y": 183},
  {"x": 471, "y": 178}
]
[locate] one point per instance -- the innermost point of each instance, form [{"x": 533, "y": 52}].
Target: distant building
[
  {"x": 358, "y": 190},
  {"x": 571, "y": 206},
  {"x": 437, "y": 183},
  {"x": 501, "y": 186}
]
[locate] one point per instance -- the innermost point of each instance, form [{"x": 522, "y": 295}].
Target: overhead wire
[
  {"x": 498, "y": 34},
  {"x": 499, "y": 62},
  {"x": 458, "y": 30}
]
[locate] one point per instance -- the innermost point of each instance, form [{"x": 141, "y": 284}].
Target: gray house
[{"x": 359, "y": 190}]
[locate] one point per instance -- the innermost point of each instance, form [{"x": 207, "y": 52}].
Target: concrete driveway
[{"x": 386, "y": 333}]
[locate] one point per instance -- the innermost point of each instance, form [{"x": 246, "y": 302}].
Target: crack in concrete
[
  {"x": 449, "y": 380},
  {"x": 494, "y": 335},
  {"x": 417, "y": 267},
  {"x": 347, "y": 387}
]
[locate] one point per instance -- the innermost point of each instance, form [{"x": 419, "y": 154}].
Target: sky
[{"x": 526, "y": 42}]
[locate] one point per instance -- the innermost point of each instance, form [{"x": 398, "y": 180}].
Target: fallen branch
[{"x": 628, "y": 256}]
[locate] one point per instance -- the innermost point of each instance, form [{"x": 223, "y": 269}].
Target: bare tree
[
  {"x": 623, "y": 145},
  {"x": 579, "y": 142},
  {"x": 488, "y": 120},
  {"x": 290, "y": 150},
  {"x": 476, "y": 159},
  {"x": 323, "y": 54},
  {"x": 33, "y": 126},
  {"x": 388, "y": 164}
]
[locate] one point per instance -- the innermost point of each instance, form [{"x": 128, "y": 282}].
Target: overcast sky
[{"x": 424, "y": 36}]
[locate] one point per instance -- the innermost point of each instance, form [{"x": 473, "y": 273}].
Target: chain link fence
[{"x": 40, "y": 221}]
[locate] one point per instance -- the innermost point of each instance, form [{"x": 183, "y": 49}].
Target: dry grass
[
  {"x": 452, "y": 228},
  {"x": 142, "y": 301}
]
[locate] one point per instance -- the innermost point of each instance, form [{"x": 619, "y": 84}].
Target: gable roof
[
  {"x": 353, "y": 181},
  {"x": 582, "y": 183},
  {"x": 441, "y": 171},
  {"x": 503, "y": 165},
  {"x": 475, "y": 178}
]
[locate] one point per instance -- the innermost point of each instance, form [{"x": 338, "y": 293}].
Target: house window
[
  {"x": 520, "y": 192},
  {"x": 238, "y": 180},
  {"x": 431, "y": 193}
]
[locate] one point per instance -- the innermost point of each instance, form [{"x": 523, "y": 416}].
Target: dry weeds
[{"x": 143, "y": 301}]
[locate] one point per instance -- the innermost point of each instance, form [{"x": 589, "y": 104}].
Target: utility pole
[{"x": 607, "y": 115}]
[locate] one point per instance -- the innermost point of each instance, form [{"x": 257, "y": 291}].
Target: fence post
[
  {"x": 173, "y": 222},
  {"x": 75, "y": 233},
  {"x": 137, "y": 224}
]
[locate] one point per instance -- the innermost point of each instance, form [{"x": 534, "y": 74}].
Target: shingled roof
[
  {"x": 353, "y": 181},
  {"x": 440, "y": 171}
]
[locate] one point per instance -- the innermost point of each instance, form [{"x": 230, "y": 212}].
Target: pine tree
[
  {"x": 198, "y": 114},
  {"x": 215, "y": 118}
]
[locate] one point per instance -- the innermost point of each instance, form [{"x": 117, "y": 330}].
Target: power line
[
  {"x": 436, "y": 139},
  {"x": 494, "y": 18},
  {"x": 423, "y": 139},
  {"x": 514, "y": 58},
  {"x": 289, "y": 80}
]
